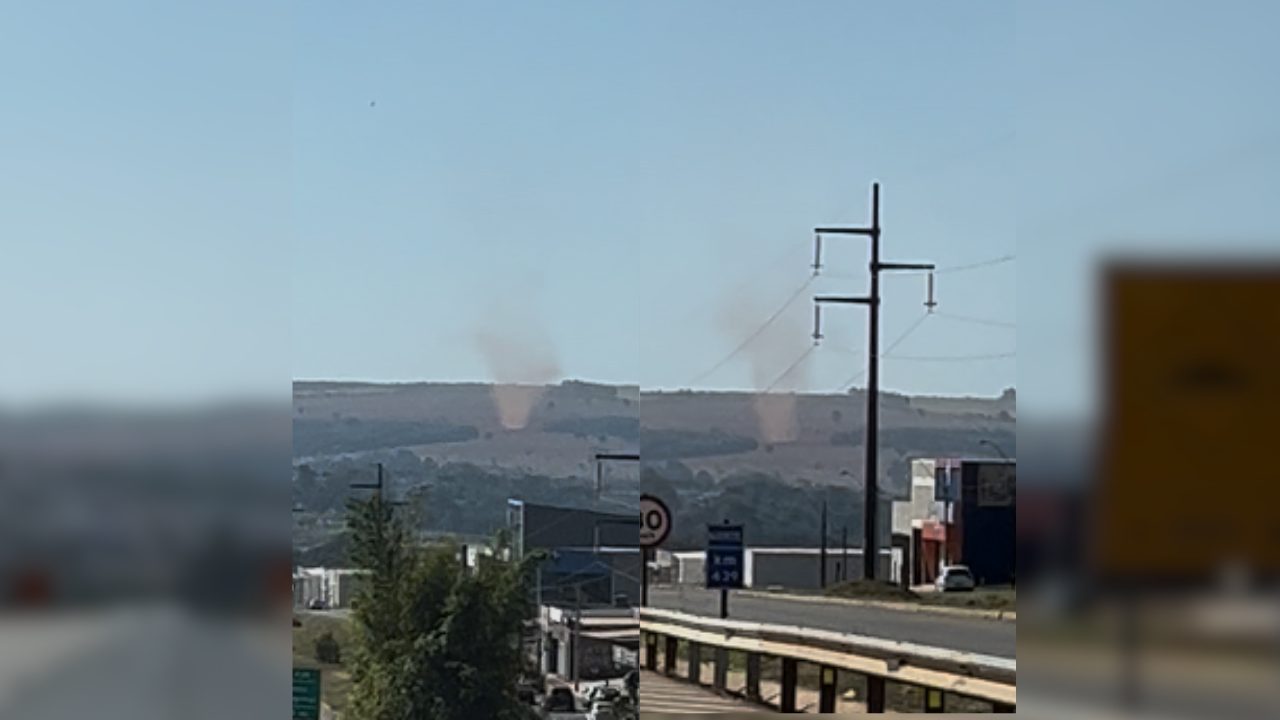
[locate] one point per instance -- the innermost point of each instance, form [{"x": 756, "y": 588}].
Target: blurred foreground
[
  {"x": 1149, "y": 529},
  {"x": 144, "y": 563}
]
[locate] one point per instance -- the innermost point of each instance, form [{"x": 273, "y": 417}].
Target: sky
[
  {"x": 1145, "y": 129},
  {"x": 144, "y": 202},
  {"x": 204, "y": 200},
  {"x": 635, "y": 187}
]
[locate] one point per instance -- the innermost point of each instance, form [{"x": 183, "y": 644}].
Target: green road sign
[{"x": 306, "y": 694}]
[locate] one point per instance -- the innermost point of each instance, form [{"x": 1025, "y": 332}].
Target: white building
[
  {"x": 308, "y": 585},
  {"x": 788, "y": 567},
  {"x": 341, "y": 586},
  {"x": 335, "y": 587}
]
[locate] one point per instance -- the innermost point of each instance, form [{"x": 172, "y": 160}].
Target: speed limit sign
[{"x": 655, "y": 521}]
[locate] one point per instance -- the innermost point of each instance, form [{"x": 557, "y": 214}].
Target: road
[
  {"x": 977, "y": 635},
  {"x": 662, "y": 697},
  {"x": 151, "y": 664}
]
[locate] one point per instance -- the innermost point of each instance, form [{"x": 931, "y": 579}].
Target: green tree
[
  {"x": 328, "y": 650},
  {"x": 435, "y": 640}
]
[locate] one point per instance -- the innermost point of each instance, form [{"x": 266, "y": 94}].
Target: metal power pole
[
  {"x": 602, "y": 457},
  {"x": 377, "y": 488},
  {"x": 577, "y": 636},
  {"x": 822, "y": 553},
  {"x": 870, "y": 541},
  {"x": 844, "y": 553}
]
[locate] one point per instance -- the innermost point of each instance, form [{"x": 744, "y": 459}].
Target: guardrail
[{"x": 939, "y": 672}]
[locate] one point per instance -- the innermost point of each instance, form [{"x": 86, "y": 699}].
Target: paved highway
[
  {"x": 153, "y": 665},
  {"x": 988, "y": 637}
]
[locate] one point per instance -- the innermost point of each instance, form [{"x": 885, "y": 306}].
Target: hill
[{"x": 462, "y": 449}]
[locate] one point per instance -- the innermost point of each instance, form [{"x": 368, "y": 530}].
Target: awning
[{"x": 632, "y": 635}]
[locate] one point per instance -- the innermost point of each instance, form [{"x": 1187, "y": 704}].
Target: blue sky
[
  {"x": 199, "y": 199},
  {"x": 604, "y": 177},
  {"x": 1144, "y": 128},
  {"x": 144, "y": 202}
]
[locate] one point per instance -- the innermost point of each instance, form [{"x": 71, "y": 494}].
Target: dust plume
[
  {"x": 773, "y": 356},
  {"x": 522, "y": 360}
]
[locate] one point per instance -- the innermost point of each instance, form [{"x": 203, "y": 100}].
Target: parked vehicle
[
  {"x": 955, "y": 578},
  {"x": 560, "y": 699},
  {"x": 632, "y": 681},
  {"x": 602, "y": 711},
  {"x": 316, "y": 604},
  {"x": 603, "y": 693}
]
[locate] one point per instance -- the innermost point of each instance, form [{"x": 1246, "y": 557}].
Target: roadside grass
[
  {"x": 987, "y": 598},
  {"x": 994, "y": 598},
  {"x": 335, "y": 680}
]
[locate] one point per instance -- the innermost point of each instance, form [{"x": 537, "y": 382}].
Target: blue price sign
[{"x": 724, "y": 557}]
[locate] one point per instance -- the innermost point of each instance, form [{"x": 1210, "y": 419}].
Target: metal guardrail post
[
  {"x": 753, "y": 677},
  {"x": 938, "y": 671},
  {"x": 787, "y": 702},
  {"x": 722, "y": 669},
  {"x": 875, "y": 694},
  {"x": 827, "y": 690}
]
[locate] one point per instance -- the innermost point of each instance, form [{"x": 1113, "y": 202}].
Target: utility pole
[
  {"x": 822, "y": 553},
  {"x": 601, "y": 458},
  {"x": 377, "y": 488},
  {"x": 870, "y": 552},
  {"x": 378, "y": 501},
  {"x": 844, "y": 553},
  {"x": 577, "y": 637}
]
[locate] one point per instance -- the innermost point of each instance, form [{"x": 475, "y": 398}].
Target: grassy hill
[{"x": 448, "y": 447}]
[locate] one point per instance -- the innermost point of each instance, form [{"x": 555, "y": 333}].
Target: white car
[
  {"x": 602, "y": 711},
  {"x": 954, "y": 577}
]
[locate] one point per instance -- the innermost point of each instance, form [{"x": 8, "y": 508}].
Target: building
[
  {"x": 791, "y": 568},
  {"x": 588, "y": 643},
  {"x": 341, "y": 586},
  {"x": 335, "y": 587},
  {"x": 587, "y": 588},
  {"x": 961, "y": 512},
  {"x": 918, "y": 525},
  {"x": 308, "y": 586},
  {"x": 590, "y": 552}
]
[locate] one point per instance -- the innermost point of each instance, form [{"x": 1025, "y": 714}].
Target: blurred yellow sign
[{"x": 1191, "y": 395}]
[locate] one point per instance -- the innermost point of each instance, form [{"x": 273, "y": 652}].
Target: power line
[
  {"x": 827, "y": 345},
  {"x": 978, "y": 320},
  {"x": 951, "y": 358},
  {"x": 791, "y": 368},
  {"x": 777, "y": 262},
  {"x": 897, "y": 341},
  {"x": 750, "y": 338},
  {"x": 949, "y": 269},
  {"x": 976, "y": 265},
  {"x": 905, "y": 334}
]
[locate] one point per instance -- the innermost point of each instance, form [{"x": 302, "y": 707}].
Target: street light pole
[{"x": 600, "y": 459}]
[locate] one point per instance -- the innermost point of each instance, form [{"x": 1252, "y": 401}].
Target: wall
[
  {"x": 795, "y": 569},
  {"x": 802, "y": 570},
  {"x": 989, "y": 522},
  {"x": 549, "y": 527}
]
